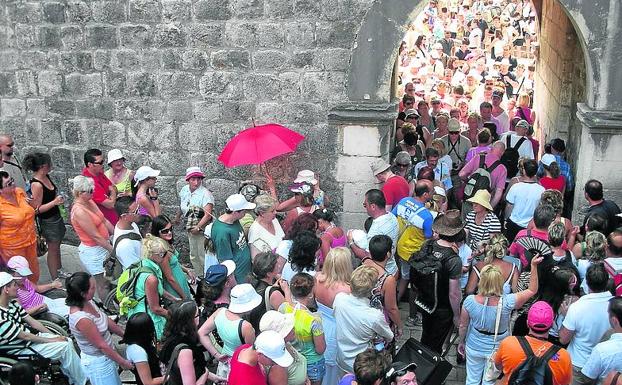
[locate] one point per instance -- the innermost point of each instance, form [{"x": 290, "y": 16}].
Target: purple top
[
  {"x": 473, "y": 151},
  {"x": 348, "y": 379},
  {"x": 141, "y": 209}
]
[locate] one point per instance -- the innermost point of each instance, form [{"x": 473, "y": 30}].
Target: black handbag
[{"x": 432, "y": 368}]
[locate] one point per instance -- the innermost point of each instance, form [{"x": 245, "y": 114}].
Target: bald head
[
  {"x": 498, "y": 148},
  {"x": 6, "y": 146}
]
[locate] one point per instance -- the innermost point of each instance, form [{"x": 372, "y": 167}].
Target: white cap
[
  {"x": 6, "y": 278},
  {"x": 143, "y": 173},
  {"x": 230, "y": 265},
  {"x": 114, "y": 154},
  {"x": 307, "y": 176},
  {"x": 279, "y": 322},
  {"x": 244, "y": 298},
  {"x": 359, "y": 237},
  {"x": 237, "y": 202},
  {"x": 272, "y": 345},
  {"x": 438, "y": 190},
  {"x": 547, "y": 159}
]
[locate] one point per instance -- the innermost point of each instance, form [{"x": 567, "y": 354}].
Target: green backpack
[{"x": 126, "y": 286}]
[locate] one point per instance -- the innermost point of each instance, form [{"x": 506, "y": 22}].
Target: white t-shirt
[
  {"x": 199, "y": 197},
  {"x": 589, "y": 319},
  {"x": 525, "y": 197},
  {"x": 288, "y": 273},
  {"x": 128, "y": 250},
  {"x": 135, "y": 353},
  {"x": 262, "y": 239},
  {"x": 504, "y": 121},
  {"x": 524, "y": 151}
]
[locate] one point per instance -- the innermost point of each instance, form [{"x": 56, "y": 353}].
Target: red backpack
[{"x": 614, "y": 268}]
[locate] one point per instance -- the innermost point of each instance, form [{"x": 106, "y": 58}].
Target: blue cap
[{"x": 215, "y": 275}]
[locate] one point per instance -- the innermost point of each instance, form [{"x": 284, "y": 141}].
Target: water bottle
[{"x": 63, "y": 210}]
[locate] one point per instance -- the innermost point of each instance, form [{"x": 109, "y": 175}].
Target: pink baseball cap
[
  {"x": 540, "y": 317},
  {"x": 20, "y": 265}
]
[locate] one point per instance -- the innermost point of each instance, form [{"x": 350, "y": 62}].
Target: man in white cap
[
  {"x": 395, "y": 187},
  {"x": 228, "y": 236},
  {"x": 196, "y": 205},
  {"x": 14, "y": 324},
  {"x": 105, "y": 193}
]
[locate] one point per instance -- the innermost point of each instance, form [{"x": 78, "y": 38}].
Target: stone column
[
  {"x": 365, "y": 131},
  {"x": 600, "y": 155}
]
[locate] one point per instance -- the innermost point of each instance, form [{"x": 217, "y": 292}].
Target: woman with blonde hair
[
  {"x": 495, "y": 251},
  {"x": 522, "y": 108},
  {"x": 266, "y": 232},
  {"x": 478, "y": 336},
  {"x": 596, "y": 248},
  {"x": 333, "y": 279}
]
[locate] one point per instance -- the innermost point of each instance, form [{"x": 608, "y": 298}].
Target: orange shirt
[
  {"x": 17, "y": 223},
  {"x": 98, "y": 220},
  {"x": 510, "y": 355}
]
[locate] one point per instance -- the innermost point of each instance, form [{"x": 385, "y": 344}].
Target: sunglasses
[
  {"x": 166, "y": 231},
  {"x": 402, "y": 165},
  {"x": 10, "y": 182},
  {"x": 454, "y": 133},
  {"x": 89, "y": 191},
  {"x": 99, "y": 163}
]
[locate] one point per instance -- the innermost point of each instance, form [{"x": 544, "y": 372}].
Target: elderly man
[
  {"x": 519, "y": 142},
  {"x": 14, "y": 324},
  {"x": 395, "y": 187},
  {"x": 498, "y": 174},
  {"x": 105, "y": 193},
  {"x": 9, "y": 162}
]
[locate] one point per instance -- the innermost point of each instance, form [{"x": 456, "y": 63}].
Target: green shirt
[{"x": 230, "y": 243}]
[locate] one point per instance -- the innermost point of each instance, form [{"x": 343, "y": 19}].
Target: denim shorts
[
  {"x": 404, "y": 269},
  {"x": 316, "y": 370}
]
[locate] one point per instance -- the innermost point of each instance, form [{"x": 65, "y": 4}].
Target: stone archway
[{"x": 574, "y": 83}]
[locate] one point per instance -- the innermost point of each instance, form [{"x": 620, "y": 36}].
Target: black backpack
[
  {"x": 533, "y": 370},
  {"x": 425, "y": 273},
  {"x": 510, "y": 157},
  {"x": 480, "y": 179}
]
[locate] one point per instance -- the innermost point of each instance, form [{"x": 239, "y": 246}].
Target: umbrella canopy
[{"x": 258, "y": 144}]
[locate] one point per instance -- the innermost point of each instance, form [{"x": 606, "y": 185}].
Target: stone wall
[{"x": 171, "y": 81}]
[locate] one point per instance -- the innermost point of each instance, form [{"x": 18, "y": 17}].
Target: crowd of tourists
[{"x": 470, "y": 228}]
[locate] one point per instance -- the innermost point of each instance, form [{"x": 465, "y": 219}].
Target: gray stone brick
[
  {"x": 9, "y": 60},
  {"x": 171, "y": 162},
  {"x": 145, "y": 10},
  {"x": 114, "y": 83},
  {"x": 114, "y": 134},
  {"x": 145, "y": 135},
  {"x": 300, "y": 34},
  {"x": 72, "y": 37},
  {"x": 62, "y": 158},
  {"x": 50, "y": 83},
  {"x": 109, "y": 11},
  {"x": 8, "y": 83},
  {"x": 135, "y": 36},
  {"x": 304, "y": 59},
  {"x": 221, "y": 85},
  {"x": 171, "y": 59},
  {"x": 212, "y": 10},
  {"x": 49, "y": 37},
  {"x": 24, "y": 12},
  {"x": 268, "y": 112},
  {"x": 25, "y": 36},
  {"x": 176, "y": 10},
  {"x": 209, "y": 112},
  {"x": 84, "y": 85},
  {"x": 291, "y": 88},
  {"x": 15, "y": 128},
  {"x": 195, "y": 60},
  {"x": 54, "y": 12},
  {"x": 101, "y": 60},
  {"x": 241, "y": 34},
  {"x": 61, "y": 107},
  {"x": 270, "y": 60},
  {"x": 52, "y": 130},
  {"x": 101, "y": 36},
  {"x": 307, "y": 9},
  {"x": 204, "y": 35},
  {"x": 279, "y": 9},
  {"x": 233, "y": 111},
  {"x": 333, "y": 59},
  {"x": 195, "y": 136},
  {"x": 270, "y": 35},
  {"x": 340, "y": 34},
  {"x": 84, "y": 61},
  {"x": 78, "y": 12},
  {"x": 95, "y": 109},
  {"x": 13, "y": 107},
  {"x": 65, "y": 61},
  {"x": 7, "y": 37},
  {"x": 150, "y": 59},
  {"x": 33, "y": 59},
  {"x": 169, "y": 35},
  {"x": 147, "y": 110},
  {"x": 125, "y": 59},
  {"x": 141, "y": 84},
  {"x": 36, "y": 107},
  {"x": 82, "y": 132},
  {"x": 248, "y": 9},
  {"x": 180, "y": 111},
  {"x": 33, "y": 130},
  {"x": 26, "y": 84},
  {"x": 318, "y": 86},
  {"x": 177, "y": 85},
  {"x": 230, "y": 59}
]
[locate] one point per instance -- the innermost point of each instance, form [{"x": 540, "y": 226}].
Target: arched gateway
[{"x": 577, "y": 92}]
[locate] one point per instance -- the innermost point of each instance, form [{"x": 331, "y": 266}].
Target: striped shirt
[
  {"x": 11, "y": 324},
  {"x": 481, "y": 233}
]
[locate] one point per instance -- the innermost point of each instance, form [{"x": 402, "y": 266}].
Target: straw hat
[
  {"x": 449, "y": 224},
  {"x": 481, "y": 197}
]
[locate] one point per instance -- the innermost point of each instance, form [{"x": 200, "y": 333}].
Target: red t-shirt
[
  {"x": 553, "y": 183},
  {"x": 519, "y": 251},
  {"x": 394, "y": 189},
  {"x": 100, "y": 194},
  {"x": 244, "y": 374}
]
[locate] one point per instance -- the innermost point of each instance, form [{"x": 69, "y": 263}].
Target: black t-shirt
[
  {"x": 198, "y": 357},
  {"x": 608, "y": 209},
  {"x": 259, "y": 311}
]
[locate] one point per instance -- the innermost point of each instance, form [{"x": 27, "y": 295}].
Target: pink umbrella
[{"x": 258, "y": 144}]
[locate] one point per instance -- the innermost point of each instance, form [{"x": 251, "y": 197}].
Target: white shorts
[{"x": 92, "y": 258}]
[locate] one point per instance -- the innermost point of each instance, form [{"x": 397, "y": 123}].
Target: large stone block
[
  {"x": 241, "y": 34},
  {"x": 221, "y": 85},
  {"x": 78, "y": 12},
  {"x": 300, "y": 34},
  {"x": 196, "y": 136},
  {"x": 24, "y": 12},
  {"x": 36, "y": 107},
  {"x": 8, "y": 83},
  {"x": 49, "y": 37},
  {"x": 195, "y": 60},
  {"x": 72, "y": 37},
  {"x": 230, "y": 59},
  {"x": 247, "y": 9},
  {"x": 203, "y": 35},
  {"x": 50, "y": 83},
  {"x": 340, "y": 34},
  {"x": 237, "y": 111},
  {"x": 147, "y": 110},
  {"x": 125, "y": 60},
  {"x": 169, "y": 35},
  {"x": 176, "y": 10},
  {"x": 361, "y": 141},
  {"x": 279, "y": 9},
  {"x": 207, "y": 111},
  {"x": 270, "y": 35},
  {"x": 262, "y": 87},
  {"x": 177, "y": 85},
  {"x": 84, "y": 85},
  {"x": 65, "y": 108},
  {"x": 270, "y": 60},
  {"x": 179, "y": 111},
  {"x": 101, "y": 36},
  {"x": 54, "y": 12},
  {"x": 26, "y": 83},
  {"x": 169, "y": 162},
  {"x": 114, "y": 83},
  {"x": 144, "y": 11},
  {"x": 109, "y": 11},
  {"x": 13, "y": 107},
  {"x": 51, "y": 130},
  {"x": 9, "y": 60},
  {"x": 354, "y": 169},
  {"x": 25, "y": 36},
  {"x": 95, "y": 109},
  {"x": 212, "y": 10},
  {"x": 135, "y": 36}
]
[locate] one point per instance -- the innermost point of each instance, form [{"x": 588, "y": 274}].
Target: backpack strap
[
  {"x": 453, "y": 147},
  {"x": 495, "y": 164},
  {"x": 132, "y": 236},
  {"x": 171, "y": 360},
  {"x": 240, "y": 335},
  {"x": 482, "y": 160},
  {"x": 508, "y": 141},
  {"x": 614, "y": 380},
  {"x": 522, "y": 340},
  {"x": 519, "y": 143},
  {"x": 550, "y": 353}
]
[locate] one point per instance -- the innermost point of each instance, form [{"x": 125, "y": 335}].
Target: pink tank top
[
  {"x": 98, "y": 220},
  {"x": 244, "y": 374}
]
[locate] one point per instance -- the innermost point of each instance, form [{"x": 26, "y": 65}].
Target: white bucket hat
[
  {"x": 244, "y": 298},
  {"x": 272, "y": 345},
  {"x": 114, "y": 154},
  {"x": 307, "y": 176}
]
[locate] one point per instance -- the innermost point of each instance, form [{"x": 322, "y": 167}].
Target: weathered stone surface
[{"x": 50, "y": 83}]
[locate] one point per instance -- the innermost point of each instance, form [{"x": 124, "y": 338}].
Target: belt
[{"x": 487, "y": 333}]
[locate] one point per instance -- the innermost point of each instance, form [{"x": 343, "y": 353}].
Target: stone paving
[{"x": 71, "y": 263}]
